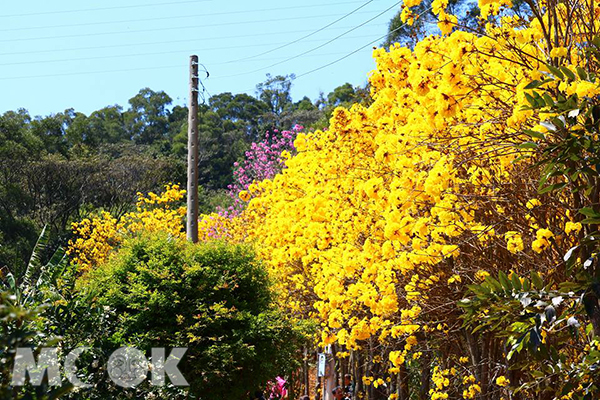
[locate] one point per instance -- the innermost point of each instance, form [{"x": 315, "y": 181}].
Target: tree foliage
[{"x": 214, "y": 299}]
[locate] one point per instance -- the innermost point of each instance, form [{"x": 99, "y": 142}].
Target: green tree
[
  {"x": 147, "y": 119},
  {"x": 215, "y": 299},
  {"x": 218, "y": 150},
  {"x": 240, "y": 112},
  {"x": 52, "y": 131},
  {"x": 103, "y": 126},
  {"x": 17, "y": 231},
  {"x": 342, "y": 95},
  {"x": 275, "y": 91},
  {"x": 221, "y": 142}
]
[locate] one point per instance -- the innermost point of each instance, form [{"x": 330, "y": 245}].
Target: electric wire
[
  {"x": 2, "y": 78},
  {"x": 111, "y": 46},
  {"x": 306, "y": 36},
  {"x": 351, "y": 53},
  {"x": 346, "y": 55},
  {"x": 175, "y": 17},
  {"x": 318, "y": 47},
  {"x": 88, "y": 58},
  {"x": 167, "y": 29},
  {"x": 359, "y": 49},
  {"x": 104, "y": 8}
]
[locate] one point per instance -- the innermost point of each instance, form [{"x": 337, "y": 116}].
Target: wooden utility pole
[
  {"x": 192, "y": 173},
  {"x": 329, "y": 383}
]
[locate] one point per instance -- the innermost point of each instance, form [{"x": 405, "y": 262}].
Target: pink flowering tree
[
  {"x": 263, "y": 161},
  {"x": 277, "y": 389}
]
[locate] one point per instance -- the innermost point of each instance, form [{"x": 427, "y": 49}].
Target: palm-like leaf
[
  {"x": 39, "y": 279},
  {"x": 35, "y": 261}
]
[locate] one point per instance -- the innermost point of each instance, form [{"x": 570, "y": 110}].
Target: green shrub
[{"x": 215, "y": 299}]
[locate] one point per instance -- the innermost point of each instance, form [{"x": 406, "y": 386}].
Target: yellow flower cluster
[
  {"x": 94, "y": 238},
  {"x": 572, "y": 227},
  {"x": 502, "y": 381},
  {"x": 371, "y": 214},
  {"x": 378, "y": 224},
  {"x": 542, "y": 241},
  {"x": 93, "y": 241},
  {"x": 514, "y": 242}
]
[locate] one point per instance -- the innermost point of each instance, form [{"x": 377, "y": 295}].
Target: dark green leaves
[
  {"x": 555, "y": 71},
  {"x": 568, "y": 73},
  {"x": 528, "y": 145},
  {"x": 537, "y": 281},
  {"x": 534, "y": 134}
]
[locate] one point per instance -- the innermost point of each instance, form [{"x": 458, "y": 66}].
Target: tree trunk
[
  {"x": 305, "y": 372},
  {"x": 403, "y": 389}
]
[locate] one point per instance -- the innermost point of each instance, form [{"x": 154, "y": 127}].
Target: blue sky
[{"x": 89, "y": 54}]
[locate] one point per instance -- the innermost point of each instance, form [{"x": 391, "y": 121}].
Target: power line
[
  {"x": 176, "y": 17},
  {"x": 160, "y": 53},
  {"x": 222, "y": 77},
  {"x": 125, "y": 70},
  {"x": 351, "y": 53},
  {"x": 166, "y": 29},
  {"x": 359, "y": 49},
  {"x": 306, "y": 36},
  {"x": 318, "y": 47},
  {"x": 171, "y": 42},
  {"x": 92, "y": 72},
  {"x": 280, "y": 58},
  {"x": 104, "y": 8},
  {"x": 311, "y": 55}
]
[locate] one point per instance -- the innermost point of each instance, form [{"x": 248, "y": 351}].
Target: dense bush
[
  {"x": 26, "y": 301},
  {"x": 215, "y": 299}
]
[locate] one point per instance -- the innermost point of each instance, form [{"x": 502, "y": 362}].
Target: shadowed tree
[{"x": 147, "y": 119}]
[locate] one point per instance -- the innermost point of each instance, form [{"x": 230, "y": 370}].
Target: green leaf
[
  {"x": 504, "y": 281},
  {"x": 589, "y": 212},
  {"x": 528, "y": 145},
  {"x": 558, "y": 121},
  {"x": 569, "y": 286},
  {"x": 555, "y": 71},
  {"x": 581, "y": 73},
  {"x": 531, "y": 100},
  {"x": 526, "y": 285},
  {"x": 591, "y": 221},
  {"x": 568, "y": 72},
  {"x": 552, "y": 188},
  {"x": 549, "y": 100},
  {"x": 35, "y": 261},
  {"x": 538, "y": 374},
  {"x": 537, "y": 280},
  {"x": 534, "y": 134},
  {"x": 478, "y": 290},
  {"x": 516, "y": 282},
  {"x": 493, "y": 283},
  {"x": 533, "y": 85}
]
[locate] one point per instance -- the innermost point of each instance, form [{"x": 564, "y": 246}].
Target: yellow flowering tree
[
  {"x": 379, "y": 225},
  {"x": 443, "y": 235},
  {"x": 95, "y": 237}
]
